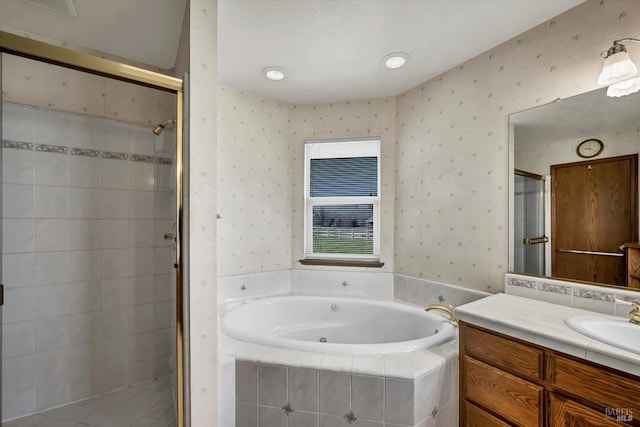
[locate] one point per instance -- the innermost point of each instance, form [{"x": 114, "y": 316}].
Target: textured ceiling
[
  {"x": 331, "y": 50},
  {"x": 145, "y": 31},
  {"x": 581, "y": 116}
]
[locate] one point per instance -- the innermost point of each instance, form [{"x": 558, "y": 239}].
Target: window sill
[{"x": 342, "y": 263}]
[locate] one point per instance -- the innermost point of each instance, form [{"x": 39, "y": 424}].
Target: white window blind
[{"x": 342, "y": 199}]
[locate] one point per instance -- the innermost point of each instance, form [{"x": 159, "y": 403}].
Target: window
[{"x": 342, "y": 199}]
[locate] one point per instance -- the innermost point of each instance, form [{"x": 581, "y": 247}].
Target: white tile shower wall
[
  {"x": 342, "y": 283},
  {"x": 452, "y": 141},
  {"x": 424, "y": 292},
  {"x": 281, "y": 396},
  {"x": 89, "y": 279}
]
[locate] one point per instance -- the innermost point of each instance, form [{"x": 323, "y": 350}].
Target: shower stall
[
  {"x": 90, "y": 243},
  {"x": 529, "y": 226}
]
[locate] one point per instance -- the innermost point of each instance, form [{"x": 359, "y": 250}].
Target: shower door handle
[
  {"x": 1, "y": 294},
  {"x": 534, "y": 240},
  {"x": 170, "y": 236}
]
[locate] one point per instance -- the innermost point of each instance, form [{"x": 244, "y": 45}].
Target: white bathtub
[{"x": 336, "y": 325}]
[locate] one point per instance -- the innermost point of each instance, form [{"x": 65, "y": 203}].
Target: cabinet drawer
[
  {"x": 476, "y": 417},
  {"x": 515, "y": 399},
  {"x": 603, "y": 387},
  {"x": 509, "y": 355}
]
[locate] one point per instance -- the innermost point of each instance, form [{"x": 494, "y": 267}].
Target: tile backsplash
[
  {"x": 594, "y": 298},
  {"x": 90, "y": 280}
]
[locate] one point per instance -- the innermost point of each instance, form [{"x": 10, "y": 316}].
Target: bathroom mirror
[{"x": 555, "y": 230}]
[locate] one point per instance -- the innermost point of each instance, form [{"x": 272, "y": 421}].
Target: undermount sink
[{"x": 617, "y": 332}]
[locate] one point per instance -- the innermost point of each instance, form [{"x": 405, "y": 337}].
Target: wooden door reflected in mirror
[{"x": 593, "y": 214}]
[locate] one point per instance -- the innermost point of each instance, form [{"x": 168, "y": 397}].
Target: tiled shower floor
[{"x": 147, "y": 404}]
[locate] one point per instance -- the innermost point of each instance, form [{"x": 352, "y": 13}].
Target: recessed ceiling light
[
  {"x": 395, "y": 60},
  {"x": 273, "y": 73}
]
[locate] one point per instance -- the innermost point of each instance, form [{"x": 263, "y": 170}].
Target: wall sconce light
[{"x": 618, "y": 70}]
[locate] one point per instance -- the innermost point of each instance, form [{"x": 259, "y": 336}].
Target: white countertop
[{"x": 543, "y": 323}]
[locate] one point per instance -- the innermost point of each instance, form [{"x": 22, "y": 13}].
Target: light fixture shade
[
  {"x": 626, "y": 87},
  {"x": 617, "y": 67}
]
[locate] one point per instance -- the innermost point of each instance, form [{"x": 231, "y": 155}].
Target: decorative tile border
[
  {"x": 46, "y": 148},
  {"x": 86, "y": 152},
  {"x": 114, "y": 155},
  {"x": 164, "y": 160},
  {"x": 591, "y": 297},
  {"x": 142, "y": 158},
  {"x": 629, "y": 298},
  {"x": 18, "y": 145},
  {"x": 594, "y": 294},
  {"x": 522, "y": 283},
  {"x": 555, "y": 288}
]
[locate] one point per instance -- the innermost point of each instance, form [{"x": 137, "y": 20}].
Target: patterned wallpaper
[
  {"x": 50, "y": 86},
  {"x": 371, "y": 117},
  {"x": 452, "y": 141},
  {"x": 254, "y": 183},
  {"x": 261, "y": 174},
  {"x": 203, "y": 336}
]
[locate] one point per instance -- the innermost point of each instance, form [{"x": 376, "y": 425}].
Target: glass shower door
[{"x": 529, "y": 238}]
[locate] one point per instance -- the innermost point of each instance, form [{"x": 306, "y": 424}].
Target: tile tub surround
[
  {"x": 279, "y": 396},
  {"x": 378, "y": 285},
  {"x": 543, "y": 323},
  {"x": 418, "y": 388},
  {"x": 89, "y": 277},
  {"x": 602, "y": 299},
  {"x": 423, "y": 292}
]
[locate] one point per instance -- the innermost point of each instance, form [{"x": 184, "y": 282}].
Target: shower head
[{"x": 159, "y": 128}]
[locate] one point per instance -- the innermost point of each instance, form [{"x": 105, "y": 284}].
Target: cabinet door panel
[
  {"x": 517, "y": 400},
  {"x": 567, "y": 413}
]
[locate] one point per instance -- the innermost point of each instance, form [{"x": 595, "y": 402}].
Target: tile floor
[{"x": 148, "y": 404}]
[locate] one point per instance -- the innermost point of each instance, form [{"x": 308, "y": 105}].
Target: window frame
[{"x": 340, "y": 148}]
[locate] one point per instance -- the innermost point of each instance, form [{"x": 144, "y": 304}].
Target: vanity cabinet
[
  {"x": 633, "y": 265},
  {"x": 508, "y": 382}
]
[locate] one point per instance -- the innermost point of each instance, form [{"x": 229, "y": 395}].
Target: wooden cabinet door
[{"x": 567, "y": 413}]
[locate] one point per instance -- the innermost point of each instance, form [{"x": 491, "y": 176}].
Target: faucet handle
[
  {"x": 634, "y": 314},
  {"x": 448, "y": 310}
]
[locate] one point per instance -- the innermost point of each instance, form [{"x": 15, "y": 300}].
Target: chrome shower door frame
[{"x": 44, "y": 52}]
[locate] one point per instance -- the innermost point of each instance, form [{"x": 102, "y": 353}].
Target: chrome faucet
[
  {"x": 448, "y": 310},
  {"x": 634, "y": 315}
]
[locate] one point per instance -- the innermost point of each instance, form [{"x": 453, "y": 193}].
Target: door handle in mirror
[{"x": 534, "y": 240}]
